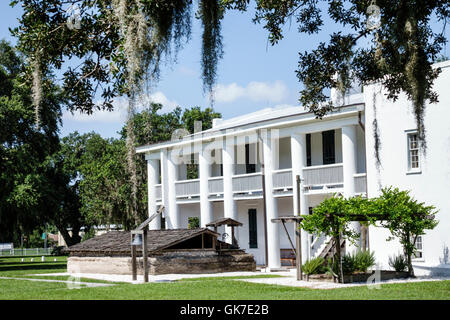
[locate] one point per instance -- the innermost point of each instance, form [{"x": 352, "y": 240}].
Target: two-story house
[{"x": 240, "y": 158}]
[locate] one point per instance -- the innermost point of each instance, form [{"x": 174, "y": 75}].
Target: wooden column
[
  {"x": 133, "y": 261},
  {"x": 145, "y": 255},
  {"x": 298, "y": 249},
  {"x": 298, "y": 242}
]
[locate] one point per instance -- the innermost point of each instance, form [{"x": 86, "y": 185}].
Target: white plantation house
[{"x": 333, "y": 154}]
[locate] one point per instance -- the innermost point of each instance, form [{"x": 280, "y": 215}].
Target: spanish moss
[{"x": 211, "y": 12}]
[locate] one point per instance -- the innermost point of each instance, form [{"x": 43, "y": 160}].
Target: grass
[{"x": 223, "y": 288}]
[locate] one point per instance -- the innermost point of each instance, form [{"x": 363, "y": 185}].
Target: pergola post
[
  {"x": 145, "y": 255},
  {"x": 298, "y": 242},
  {"x": 133, "y": 261}
]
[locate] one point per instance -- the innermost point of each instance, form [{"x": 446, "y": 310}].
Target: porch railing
[
  {"x": 187, "y": 188},
  {"x": 247, "y": 182},
  {"x": 360, "y": 182},
  {"x": 282, "y": 179},
  {"x": 323, "y": 175},
  {"x": 215, "y": 185}
]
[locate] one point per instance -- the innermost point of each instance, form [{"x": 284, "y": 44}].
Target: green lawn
[{"x": 202, "y": 289}]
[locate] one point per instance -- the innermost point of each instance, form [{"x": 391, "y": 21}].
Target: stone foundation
[
  {"x": 166, "y": 262},
  {"x": 360, "y": 277}
]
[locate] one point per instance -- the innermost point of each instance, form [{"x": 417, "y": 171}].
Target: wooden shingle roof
[
  {"x": 119, "y": 242},
  {"x": 224, "y": 221}
]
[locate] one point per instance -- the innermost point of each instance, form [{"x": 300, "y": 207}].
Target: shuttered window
[
  {"x": 308, "y": 150},
  {"x": 250, "y": 166},
  {"x": 328, "y": 147},
  {"x": 252, "y": 228}
]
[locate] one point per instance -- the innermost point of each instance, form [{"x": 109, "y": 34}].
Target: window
[
  {"x": 328, "y": 149},
  {"x": 250, "y": 166},
  {"x": 419, "y": 248},
  {"x": 413, "y": 152},
  {"x": 252, "y": 229},
  {"x": 308, "y": 150}
]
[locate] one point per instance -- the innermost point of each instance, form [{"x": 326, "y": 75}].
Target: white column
[
  {"x": 152, "y": 181},
  {"x": 204, "y": 164},
  {"x": 172, "y": 219},
  {"x": 298, "y": 158},
  {"x": 164, "y": 184},
  {"x": 273, "y": 236},
  {"x": 229, "y": 205},
  {"x": 349, "y": 148}
]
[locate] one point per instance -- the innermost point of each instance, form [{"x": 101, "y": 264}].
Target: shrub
[
  {"x": 364, "y": 260},
  {"x": 314, "y": 266},
  {"x": 359, "y": 261},
  {"x": 58, "y": 251},
  {"x": 348, "y": 264},
  {"x": 398, "y": 263}
]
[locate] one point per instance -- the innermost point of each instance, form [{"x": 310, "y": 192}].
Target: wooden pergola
[
  {"x": 297, "y": 249},
  {"x": 298, "y": 218}
]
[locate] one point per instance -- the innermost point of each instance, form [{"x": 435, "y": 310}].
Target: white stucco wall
[{"x": 431, "y": 185}]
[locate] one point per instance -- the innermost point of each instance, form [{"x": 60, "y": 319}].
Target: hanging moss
[{"x": 211, "y": 13}]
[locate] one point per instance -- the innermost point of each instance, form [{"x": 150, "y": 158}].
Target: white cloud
[
  {"x": 159, "y": 97},
  {"x": 186, "y": 71},
  {"x": 255, "y": 91},
  {"x": 119, "y": 114}
]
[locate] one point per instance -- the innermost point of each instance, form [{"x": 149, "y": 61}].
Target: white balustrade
[
  {"x": 282, "y": 179},
  {"x": 187, "y": 188},
  {"x": 247, "y": 182},
  {"x": 323, "y": 175},
  {"x": 215, "y": 185},
  {"x": 360, "y": 182}
]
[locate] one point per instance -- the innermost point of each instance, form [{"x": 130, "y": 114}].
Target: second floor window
[
  {"x": 413, "y": 152},
  {"x": 328, "y": 147}
]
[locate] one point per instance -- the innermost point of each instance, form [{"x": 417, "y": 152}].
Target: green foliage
[
  {"x": 59, "y": 251},
  {"x": 89, "y": 234},
  {"x": 405, "y": 217},
  {"x": 398, "y": 262},
  {"x": 118, "y": 44},
  {"x": 364, "y": 260},
  {"x": 333, "y": 216},
  {"x": 314, "y": 266},
  {"x": 398, "y": 53},
  {"x": 193, "y": 222},
  {"x": 29, "y": 185},
  {"x": 348, "y": 264},
  {"x": 359, "y": 261}
]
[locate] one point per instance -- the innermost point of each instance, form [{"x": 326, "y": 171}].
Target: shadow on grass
[{"x": 31, "y": 266}]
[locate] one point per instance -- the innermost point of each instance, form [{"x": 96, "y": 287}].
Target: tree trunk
[
  {"x": 338, "y": 257},
  {"x": 70, "y": 240},
  {"x": 409, "y": 259},
  {"x": 364, "y": 231}
]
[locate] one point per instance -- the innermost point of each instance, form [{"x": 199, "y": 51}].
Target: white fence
[{"x": 26, "y": 252}]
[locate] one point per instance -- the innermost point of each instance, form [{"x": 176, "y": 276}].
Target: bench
[{"x": 287, "y": 257}]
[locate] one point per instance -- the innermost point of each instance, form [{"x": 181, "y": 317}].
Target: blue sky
[{"x": 252, "y": 75}]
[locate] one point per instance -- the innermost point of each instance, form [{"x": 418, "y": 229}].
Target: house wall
[{"x": 431, "y": 185}]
